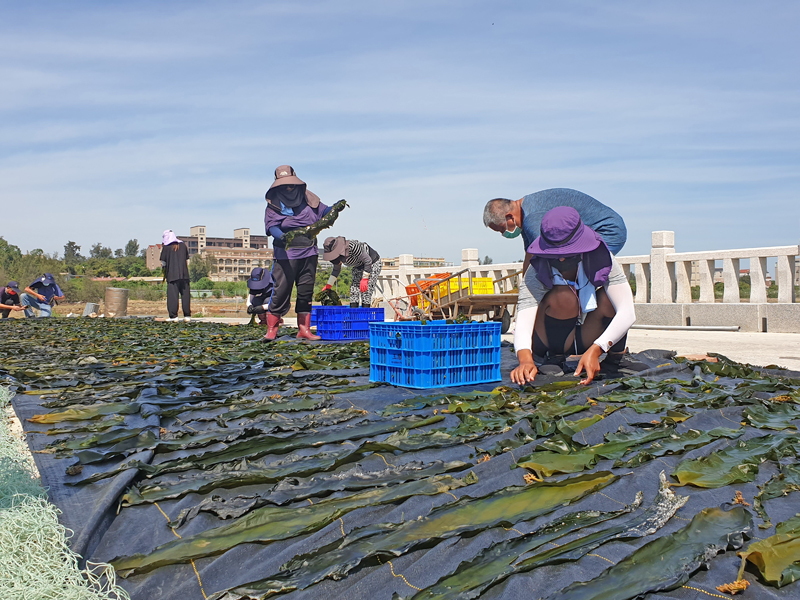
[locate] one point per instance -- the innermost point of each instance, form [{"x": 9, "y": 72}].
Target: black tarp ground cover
[{"x": 101, "y": 533}]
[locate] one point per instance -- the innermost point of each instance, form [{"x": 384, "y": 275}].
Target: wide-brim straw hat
[{"x": 334, "y": 247}]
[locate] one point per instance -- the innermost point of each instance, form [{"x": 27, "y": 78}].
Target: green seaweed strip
[
  {"x": 678, "y": 444},
  {"x": 777, "y": 416},
  {"x": 777, "y": 558},
  {"x": 498, "y": 562},
  {"x": 737, "y": 464},
  {"x": 785, "y": 482},
  {"x": 669, "y": 561},
  {"x": 467, "y": 515},
  {"x": 270, "y": 523}
]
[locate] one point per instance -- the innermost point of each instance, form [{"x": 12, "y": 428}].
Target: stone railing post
[
  {"x": 469, "y": 258},
  {"x": 405, "y": 263},
  {"x": 730, "y": 280},
  {"x": 784, "y": 272},
  {"x": 663, "y": 243},
  {"x": 758, "y": 282}
]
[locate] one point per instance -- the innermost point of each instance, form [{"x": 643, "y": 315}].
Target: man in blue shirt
[
  {"x": 41, "y": 294},
  {"x": 524, "y": 216}
]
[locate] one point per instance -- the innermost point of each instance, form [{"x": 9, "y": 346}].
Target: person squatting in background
[
  {"x": 259, "y": 286},
  {"x": 175, "y": 265},
  {"x": 576, "y": 300},
  {"x": 42, "y": 294},
  {"x": 291, "y": 206},
  {"x": 9, "y": 299},
  {"x": 364, "y": 262}
]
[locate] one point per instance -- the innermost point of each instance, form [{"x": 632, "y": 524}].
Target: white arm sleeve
[
  {"x": 621, "y": 297},
  {"x": 531, "y": 291}
]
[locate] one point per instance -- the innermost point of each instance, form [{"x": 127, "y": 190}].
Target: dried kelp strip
[
  {"x": 736, "y": 464},
  {"x": 545, "y": 463},
  {"x": 782, "y": 484},
  {"x": 498, "y": 562},
  {"x": 778, "y": 416},
  {"x": 95, "y": 426},
  {"x": 669, "y": 561},
  {"x": 495, "y": 563},
  {"x": 466, "y": 516},
  {"x": 270, "y": 523},
  {"x": 86, "y": 414},
  {"x": 67, "y": 445},
  {"x": 777, "y": 558},
  {"x": 304, "y": 403},
  {"x": 290, "y": 489},
  {"x": 152, "y": 442},
  {"x": 679, "y": 443},
  {"x": 257, "y": 447},
  {"x": 498, "y": 398}
]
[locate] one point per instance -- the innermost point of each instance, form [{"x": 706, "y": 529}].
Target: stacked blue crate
[{"x": 434, "y": 355}]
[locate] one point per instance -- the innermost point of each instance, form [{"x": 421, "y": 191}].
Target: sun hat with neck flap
[
  {"x": 279, "y": 194},
  {"x": 563, "y": 233}
]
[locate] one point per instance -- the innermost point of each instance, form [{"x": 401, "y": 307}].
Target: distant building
[
  {"x": 419, "y": 261},
  {"x": 232, "y": 258}
]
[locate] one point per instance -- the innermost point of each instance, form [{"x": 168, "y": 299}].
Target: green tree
[
  {"x": 72, "y": 254},
  {"x": 100, "y": 251},
  {"x": 487, "y": 260},
  {"x": 9, "y": 253},
  {"x": 119, "y": 253},
  {"x": 132, "y": 247},
  {"x": 199, "y": 266}
]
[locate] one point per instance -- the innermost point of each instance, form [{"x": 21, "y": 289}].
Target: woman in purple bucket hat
[{"x": 577, "y": 301}]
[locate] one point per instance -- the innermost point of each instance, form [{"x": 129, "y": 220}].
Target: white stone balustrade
[{"x": 663, "y": 284}]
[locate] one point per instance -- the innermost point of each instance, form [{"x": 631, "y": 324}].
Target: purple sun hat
[{"x": 562, "y": 233}]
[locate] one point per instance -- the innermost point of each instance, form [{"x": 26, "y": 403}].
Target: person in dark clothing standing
[
  {"x": 291, "y": 206},
  {"x": 362, "y": 259},
  {"x": 174, "y": 263},
  {"x": 9, "y": 299}
]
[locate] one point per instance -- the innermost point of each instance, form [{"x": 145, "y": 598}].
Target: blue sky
[{"x": 119, "y": 120}]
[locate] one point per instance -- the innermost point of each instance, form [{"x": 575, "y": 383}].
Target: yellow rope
[
  {"x": 688, "y": 587},
  {"x": 341, "y": 524},
  {"x": 401, "y": 576},
  {"x": 194, "y": 568},
  {"x": 513, "y": 529},
  {"x": 612, "y": 499},
  {"x": 452, "y": 494},
  {"x": 603, "y": 557},
  {"x": 384, "y": 460}
]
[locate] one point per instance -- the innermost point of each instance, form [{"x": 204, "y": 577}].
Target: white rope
[{"x": 35, "y": 560}]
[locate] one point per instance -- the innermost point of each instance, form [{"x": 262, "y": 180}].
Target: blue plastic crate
[
  {"x": 434, "y": 355},
  {"x": 343, "y": 322}
]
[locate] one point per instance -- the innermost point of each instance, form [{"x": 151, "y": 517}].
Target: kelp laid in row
[
  {"x": 737, "y": 464},
  {"x": 262, "y": 445},
  {"x": 499, "y": 561},
  {"x": 272, "y": 523},
  {"x": 465, "y": 516},
  {"x": 669, "y": 561}
]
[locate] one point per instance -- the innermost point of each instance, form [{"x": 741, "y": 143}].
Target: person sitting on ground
[
  {"x": 259, "y": 286},
  {"x": 364, "y": 262},
  {"x": 576, "y": 301},
  {"x": 9, "y": 299},
  {"x": 291, "y": 206},
  {"x": 175, "y": 266},
  {"x": 42, "y": 294}
]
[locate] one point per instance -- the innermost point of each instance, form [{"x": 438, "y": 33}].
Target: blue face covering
[{"x": 512, "y": 234}]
